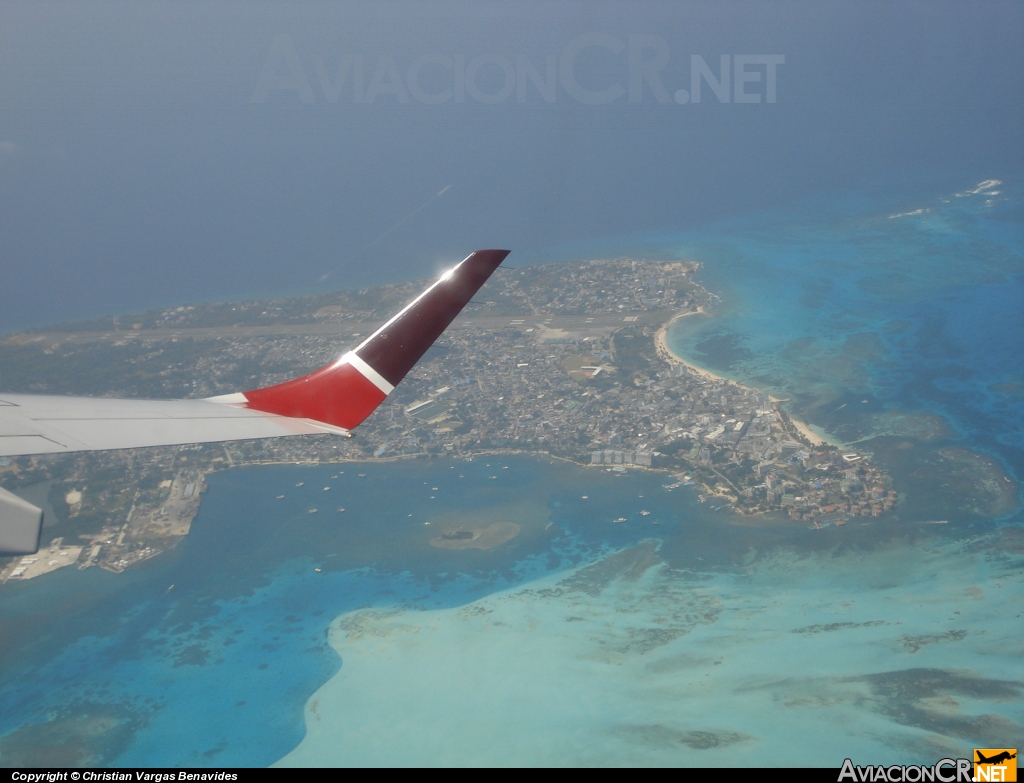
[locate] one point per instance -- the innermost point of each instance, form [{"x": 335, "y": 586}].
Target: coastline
[
  {"x": 816, "y": 439},
  {"x": 668, "y": 355}
]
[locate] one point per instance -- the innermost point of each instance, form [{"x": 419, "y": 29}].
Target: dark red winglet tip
[
  {"x": 497, "y": 255},
  {"x": 486, "y": 261},
  {"x": 493, "y": 255},
  {"x": 343, "y": 395}
]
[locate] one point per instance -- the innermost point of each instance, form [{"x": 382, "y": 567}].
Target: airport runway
[{"x": 348, "y": 329}]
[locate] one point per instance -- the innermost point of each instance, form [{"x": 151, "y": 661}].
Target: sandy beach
[
  {"x": 661, "y": 346},
  {"x": 811, "y": 435}
]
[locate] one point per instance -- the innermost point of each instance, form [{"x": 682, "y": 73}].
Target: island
[
  {"x": 568, "y": 360},
  {"x": 495, "y": 534}
]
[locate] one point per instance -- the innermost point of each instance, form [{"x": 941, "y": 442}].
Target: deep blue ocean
[{"x": 903, "y": 335}]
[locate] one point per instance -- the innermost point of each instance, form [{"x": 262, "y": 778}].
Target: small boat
[
  {"x": 645, "y": 513},
  {"x": 280, "y": 496},
  {"x": 840, "y": 522},
  {"x": 341, "y": 509},
  {"x": 326, "y": 489},
  {"x": 585, "y": 497},
  {"x": 317, "y": 570},
  {"x": 312, "y": 511},
  {"x": 619, "y": 520},
  {"x": 300, "y": 483}
]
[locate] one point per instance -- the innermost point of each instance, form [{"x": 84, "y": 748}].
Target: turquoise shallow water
[
  {"x": 699, "y": 640},
  {"x": 788, "y": 659},
  {"x": 864, "y": 313},
  {"x": 272, "y": 633},
  {"x": 207, "y": 654}
]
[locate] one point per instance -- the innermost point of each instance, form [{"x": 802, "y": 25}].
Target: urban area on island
[{"x": 567, "y": 360}]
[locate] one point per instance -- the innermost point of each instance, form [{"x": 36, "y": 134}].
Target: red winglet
[{"x": 345, "y": 392}]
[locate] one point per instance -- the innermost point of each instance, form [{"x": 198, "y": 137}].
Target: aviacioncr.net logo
[
  {"x": 995, "y": 764},
  {"x": 943, "y": 771}
]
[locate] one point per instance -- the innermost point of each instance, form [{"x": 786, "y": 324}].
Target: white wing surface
[
  {"x": 334, "y": 398},
  {"x": 43, "y": 424}
]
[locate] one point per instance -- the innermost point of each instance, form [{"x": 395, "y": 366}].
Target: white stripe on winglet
[
  {"x": 229, "y": 399},
  {"x": 368, "y": 372}
]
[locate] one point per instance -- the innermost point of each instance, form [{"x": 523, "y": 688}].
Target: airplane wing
[{"x": 335, "y": 398}]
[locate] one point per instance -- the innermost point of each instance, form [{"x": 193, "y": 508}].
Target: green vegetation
[{"x": 634, "y": 351}]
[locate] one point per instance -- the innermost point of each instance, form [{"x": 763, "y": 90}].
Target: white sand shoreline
[{"x": 667, "y": 354}]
